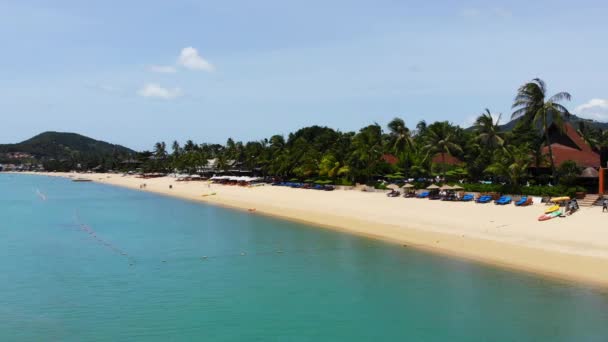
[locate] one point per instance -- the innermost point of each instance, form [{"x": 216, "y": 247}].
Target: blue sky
[{"x": 136, "y": 72}]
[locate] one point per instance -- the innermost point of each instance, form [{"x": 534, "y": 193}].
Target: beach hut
[
  {"x": 433, "y": 192},
  {"x": 589, "y": 173}
]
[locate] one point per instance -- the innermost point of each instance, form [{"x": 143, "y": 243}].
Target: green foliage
[
  {"x": 380, "y": 186},
  {"x": 568, "y": 173},
  {"x": 69, "y": 151},
  {"x": 532, "y": 103},
  {"x": 511, "y": 154},
  {"x": 538, "y": 190},
  {"x": 512, "y": 164}
]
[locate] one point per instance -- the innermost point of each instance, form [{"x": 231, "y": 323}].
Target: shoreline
[{"x": 475, "y": 232}]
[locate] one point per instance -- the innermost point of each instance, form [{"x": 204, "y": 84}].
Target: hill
[
  {"x": 60, "y": 146},
  {"x": 573, "y": 119}
]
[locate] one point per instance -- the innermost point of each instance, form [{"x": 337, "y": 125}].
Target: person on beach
[{"x": 605, "y": 204}]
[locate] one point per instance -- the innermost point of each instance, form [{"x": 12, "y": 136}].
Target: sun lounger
[
  {"x": 503, "y": 200},
  {"x": 521, "y": 202},
  {"x": 484, "y": 199},
  {"x": 467, "y": 198},
  {"x": 423, "y": 195}
]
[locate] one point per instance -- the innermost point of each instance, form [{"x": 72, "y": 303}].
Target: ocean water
[{"x": 90, "y": 262}]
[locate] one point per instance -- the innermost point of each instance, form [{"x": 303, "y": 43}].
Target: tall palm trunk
[{"x": 443, "y": 165}]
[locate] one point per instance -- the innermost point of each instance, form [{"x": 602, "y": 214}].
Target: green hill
[
  {"x": 573, "y": 119},
  {"x": 65, "y": 148}
]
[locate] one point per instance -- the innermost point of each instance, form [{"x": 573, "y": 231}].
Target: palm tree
[
  {"x": 367, "y": 150},
  {"x": 488, "y": 130},
  {"x": 176, "y": 148},
  {"x": 589, "y": 135},
  {"x": 330, "y": 167},
  {"x": 512, "y": 164},
  {"x": 440, "y": 138},
  {"x": 533, "y": 104},
  {"x": 160, "y": 156},
  {"x": 400, "y": 137}
]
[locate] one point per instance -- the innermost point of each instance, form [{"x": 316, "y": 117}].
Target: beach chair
[
  {"x": 423, "y": 195},
  {"x": 521, "y": 202},
  {"x": 503, "y": 200},
  {"x": 467, "y": 198},
  {"x": 484, "y": 199}
]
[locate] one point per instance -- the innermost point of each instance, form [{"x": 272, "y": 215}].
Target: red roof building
[
  {"x": 446, "y": 158},
  {"x": 390, "y": 159},
  {"x": 569, "y": 145}
]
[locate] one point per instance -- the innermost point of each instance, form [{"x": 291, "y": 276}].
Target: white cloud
[
  {"x": 190, "y": 59},
  {"x": 596, "y": 109},
  {"x": 164, "y": 69},
  {"x": 154, "y": 90}
]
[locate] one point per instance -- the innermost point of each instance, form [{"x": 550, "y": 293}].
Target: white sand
[{"x": 574, "y": 248}]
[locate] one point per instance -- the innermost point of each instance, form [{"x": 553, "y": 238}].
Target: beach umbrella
[
  {"x": 408, "y": 186},
  {"x": 393, "y": 186},
  {"x": 445, "y": 187},
  {"x": 457, "y": 187},
  {"x": 432, "y": 187}
]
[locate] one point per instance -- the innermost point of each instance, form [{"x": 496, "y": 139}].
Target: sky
[{"x": 136, "y": 72}]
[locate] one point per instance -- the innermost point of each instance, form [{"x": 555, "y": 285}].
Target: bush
[
  {"x": 380, "y": 186},
  {"x": 534, "y": 190},
  {"x": 478, "y": 187}
]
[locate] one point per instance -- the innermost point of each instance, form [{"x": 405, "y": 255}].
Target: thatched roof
[{"x": 589, "y": 172}]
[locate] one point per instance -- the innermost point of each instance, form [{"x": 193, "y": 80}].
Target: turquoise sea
[{"x": 90, "y": 262}]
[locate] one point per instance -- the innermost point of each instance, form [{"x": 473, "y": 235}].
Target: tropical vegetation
[{"x": 509, "y": 155}]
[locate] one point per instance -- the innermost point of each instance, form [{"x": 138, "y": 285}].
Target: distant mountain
[
  {"x": 573, "y": 119},
  {"x": 59, "y": 146}
]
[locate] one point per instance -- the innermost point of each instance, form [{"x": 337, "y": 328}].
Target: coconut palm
[
  {"x": 512, "y": 164},
  {"x": 533, "y": 104},
  {"x": 367, "y": 151},
  {"x": 589, "y": 134},
  {"x": 400, "y": 137},
  {"x": 441, "y": 138},
  {"x": 488, "y": 130}
]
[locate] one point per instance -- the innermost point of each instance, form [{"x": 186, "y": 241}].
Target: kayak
[
  {"x": 545, "y": 217},
  {"x": 560, "y": 199},
  {"x": 552, "y": 209}
]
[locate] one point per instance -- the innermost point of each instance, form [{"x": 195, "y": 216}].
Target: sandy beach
[{"x": 573, "y": 248}]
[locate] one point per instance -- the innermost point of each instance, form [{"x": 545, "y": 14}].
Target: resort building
[{"x": 567, "y": 144}]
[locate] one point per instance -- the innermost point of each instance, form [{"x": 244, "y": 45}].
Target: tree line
[{"x": 399, "y": 151}]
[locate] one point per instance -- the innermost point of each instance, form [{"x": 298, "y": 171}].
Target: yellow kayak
[
  {"x": 560, "y": 199},
  {"x": 552, "y": 209}
]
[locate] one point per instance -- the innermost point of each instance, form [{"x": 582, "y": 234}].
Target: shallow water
[{"x": 89, "y": 262}]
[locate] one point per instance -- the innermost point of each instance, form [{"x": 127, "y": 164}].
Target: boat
[
  {"x": 82, "y": 180},
  {"x": 552, "y": 209},
  {"x": 545, "y": 217},
  {"x": 559, "y": 199}
]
